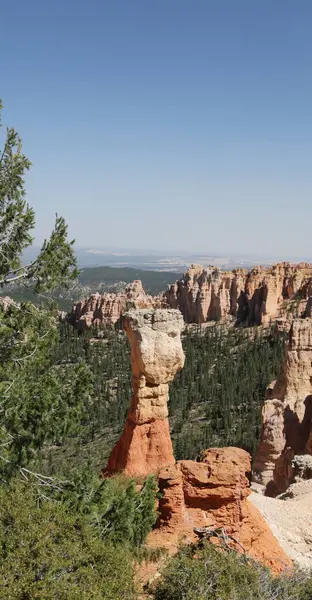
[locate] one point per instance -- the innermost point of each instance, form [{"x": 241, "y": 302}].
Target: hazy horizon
[
  {"x": 169, "y": 124},
  {"x": 108, "y": 255}
]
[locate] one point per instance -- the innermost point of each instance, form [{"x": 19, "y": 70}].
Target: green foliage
[
  {"x": 42, "y": 401},
  {"x": 216, "y": 575},
  {"x": 114, "y": 507},
  {"x": 154, "y": 282},
  {"x": 95, "y": 279},
  {"x": 222, "y": 387},
  {"x": 49, "y": 552},
  {"x": 216, "y": 400}
]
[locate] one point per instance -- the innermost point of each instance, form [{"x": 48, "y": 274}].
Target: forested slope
[{"x": 215, "y": 400}]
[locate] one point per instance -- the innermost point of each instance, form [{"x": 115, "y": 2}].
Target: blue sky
[{"x": 166, "y": 124}]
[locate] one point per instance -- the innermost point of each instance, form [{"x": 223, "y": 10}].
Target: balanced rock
[
  {"x": 156, "y": 356},
  {"x": 287, "y": 413}
]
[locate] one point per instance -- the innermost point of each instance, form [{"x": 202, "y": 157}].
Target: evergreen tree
[
  {"x": 56, "y": 263},
  {"x": 39, "y": 401}
]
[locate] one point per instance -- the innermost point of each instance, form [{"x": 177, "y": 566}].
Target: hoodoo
[
  {"x": 287, "y": 413},
  {"x": 156, "y": 356},
  {"x": 255, "y": 297}
]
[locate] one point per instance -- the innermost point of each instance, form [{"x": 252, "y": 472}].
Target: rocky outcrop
[
  {"x": 283, "y": 291},
  {"x": 254, "y": 297},
  {"x": 214, "y": 493},
  {"x": 104, "y": 310},
  {"x": 6, "y": 302},
  {"x": 156, "y": 355},
  {"x": 287, "y": 413},
  {"x": 206, "y": 294}
]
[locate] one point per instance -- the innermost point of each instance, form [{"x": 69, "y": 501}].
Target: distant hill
[
  {"x": 97, "y": 279},
  {"x": 153, "y": 282}
]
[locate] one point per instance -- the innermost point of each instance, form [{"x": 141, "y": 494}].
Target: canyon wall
[
  {"x": 156, "y": 356},
  {"x": 104, "y": 310},
  {"x": 254, "y": 297},
  {"x": 287, "y": 413}
]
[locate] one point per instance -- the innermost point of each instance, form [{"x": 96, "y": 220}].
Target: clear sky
[{"x": 166, "y": 124}]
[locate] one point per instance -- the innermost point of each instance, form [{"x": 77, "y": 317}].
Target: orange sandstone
[{"x": 156, "y": 355}]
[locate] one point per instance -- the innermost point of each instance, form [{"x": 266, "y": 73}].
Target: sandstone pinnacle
[{"x": 156, "y": 356}]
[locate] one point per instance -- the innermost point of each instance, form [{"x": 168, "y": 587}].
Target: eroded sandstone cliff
[
  {"x": 287, "y": 413},
  {"x": 254, "y": 297},
  {"x": 104, "y": 310}
]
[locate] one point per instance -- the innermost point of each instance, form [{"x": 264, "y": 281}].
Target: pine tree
[
  {"x": 56, "y": 263},
  {"x": 40, "y": 400}
]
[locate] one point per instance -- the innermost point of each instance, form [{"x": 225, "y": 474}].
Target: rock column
[
  {"x": 287, "y": 413},
  {"x": 156, "y": 356}
]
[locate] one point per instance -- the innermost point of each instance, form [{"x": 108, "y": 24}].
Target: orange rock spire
[{"x": 156, "y": 355}]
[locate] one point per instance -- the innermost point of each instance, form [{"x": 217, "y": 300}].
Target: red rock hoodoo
[{"x": 156, "y": 355}]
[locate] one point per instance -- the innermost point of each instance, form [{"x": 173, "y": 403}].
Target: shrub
[
  {"x": 113, "y": 507},
  {"x": 216, "y": 575},
  {"x": 50, "y": 553}
]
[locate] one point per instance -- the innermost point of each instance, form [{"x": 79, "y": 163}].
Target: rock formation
[
  {"x": 6, "y": 302},
  {"x": 214, "y": 493},
  {"x": 287, "y": 413},
  {"x": 156, "y": 355},
  {"x": 254, "y": 297},
  {"x": 308, "y": 312},
  {"x": 104, "y": 310},
  {"x": 282, "y": 292},
  {"x": 205, "y": 294}
]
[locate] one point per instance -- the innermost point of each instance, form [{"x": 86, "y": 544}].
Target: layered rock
[
  {"x": 156, "y": 356},
  {"x": 206, "y": 294},
  {"x": 255, "y": 297},
  {"x": 287, "y": 413},
  {"x": 214, "y": 493},
  {"x": 104, "y": 310}
]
